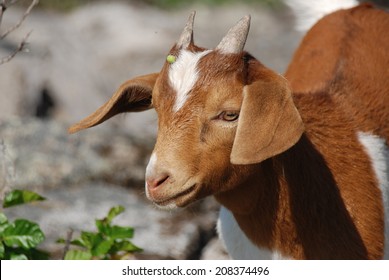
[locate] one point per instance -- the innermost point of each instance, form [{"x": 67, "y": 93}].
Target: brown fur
[
  {"x": 266, "y": 97},
  {"x": 348, "y": 52},
  {"x": 306, "y": 209},
  {"x": 132, "y": 96},
  {"x": 312, "y": 194}
]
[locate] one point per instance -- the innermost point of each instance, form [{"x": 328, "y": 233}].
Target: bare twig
[
  {"x": 15, "y": 52},
  {"x": 17, "y": 25},
  {"x": 3, "y": 6},
  {"x": 67, "y": 243}
]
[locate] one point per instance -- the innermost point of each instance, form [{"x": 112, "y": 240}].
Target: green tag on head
[{"x": 171, "y": 58}]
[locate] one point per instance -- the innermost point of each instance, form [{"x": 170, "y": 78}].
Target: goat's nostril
[
  {"x": 162, "y": 180},
  {"x": 156, "y": 182}
]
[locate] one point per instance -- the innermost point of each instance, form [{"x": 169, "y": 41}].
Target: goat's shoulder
[
  {"x": 323, "y": 114},
  {"x": 325, "y": 163},
  {"x": 333, "y": 136}
]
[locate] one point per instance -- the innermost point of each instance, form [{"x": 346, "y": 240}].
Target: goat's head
[{"x": 220, "y": 112}]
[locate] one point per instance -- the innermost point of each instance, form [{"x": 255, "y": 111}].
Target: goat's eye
[{"x": 229, "y": 116}]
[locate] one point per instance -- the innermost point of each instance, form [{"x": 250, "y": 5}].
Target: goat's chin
[
  {"x": 179, "y": 200},
  {"x": 169, "y": 207}
]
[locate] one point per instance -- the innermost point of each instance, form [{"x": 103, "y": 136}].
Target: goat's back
[{"x": 346, "y": 54}]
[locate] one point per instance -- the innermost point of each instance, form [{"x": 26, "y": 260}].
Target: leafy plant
[
  {"x": 18, "y": 197},
  {"x": 19, "y": 239},
  {"x": 109, "y": 242}
]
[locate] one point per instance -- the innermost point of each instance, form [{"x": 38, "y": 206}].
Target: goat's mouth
[{"x": 180, "y": 199}]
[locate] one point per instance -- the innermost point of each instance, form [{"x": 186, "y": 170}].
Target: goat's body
[
  {"x": 311, "y": 211},
  {"x": 346, "y": 55},
  {"x": 304, "y": 209}
]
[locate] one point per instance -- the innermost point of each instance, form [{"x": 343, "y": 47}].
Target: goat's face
[
  {"x": 220, "y": 111},
  {"x": 198, "y": 110}
]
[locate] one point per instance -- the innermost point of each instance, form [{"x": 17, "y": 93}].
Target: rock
[
  {"x": 45, "y": 155},
  {"x": 6, "y": 169}
]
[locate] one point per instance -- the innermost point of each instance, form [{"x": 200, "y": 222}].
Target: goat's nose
[{"x": 155, "y": 182}]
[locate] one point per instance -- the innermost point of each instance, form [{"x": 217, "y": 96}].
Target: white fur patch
[
  {"x": 379, "y": 156},
  {"x": 150, "y": 170},
  {"x": 183, "y": 75},
  {"x": 309, "y": 12},
  {"x": 238, "y": 246},
  {"x": 151, "y": 165}
]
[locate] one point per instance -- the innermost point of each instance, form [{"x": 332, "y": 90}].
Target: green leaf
[
  {"x": 125, "y": 246},
  {"x": 18, "y": 257},
  {"x": 3, "y": 227},
  {"x": 78, "y": 255},
  {"x": 102, "y": 247},
  {"x": 114, "y": 232},
  {"x": 119, "y": 232},
  {"x": 90, "y": 239},
  {"x": 19, "y": 253},
  {"x": 78, "y": 242},
  {"x": 103, "y": 227},
  {"x": 2, "y": 251},
  {"x": 61, "y": 241},
  {"x": 3, "y": 223},
  {"x": 17, "y": 197},
  {"x": 23, "y": 233},
  {"x": 3, "y": 218},
  {"x": 113, "y": 212}
]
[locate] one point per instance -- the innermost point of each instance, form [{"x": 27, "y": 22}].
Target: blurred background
[{"x": 78, "y": 53}]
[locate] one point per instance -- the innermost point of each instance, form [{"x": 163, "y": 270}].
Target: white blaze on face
[
  {"x": 183, "y": 75},
  {"x": 150, "y": 169}
]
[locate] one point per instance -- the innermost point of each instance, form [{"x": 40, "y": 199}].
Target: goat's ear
[
  {"x": 269, "y": 122},
  {"x": 132, "y": 96}
]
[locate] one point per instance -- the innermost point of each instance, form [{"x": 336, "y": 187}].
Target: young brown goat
[{"x": 300, "y": 176}]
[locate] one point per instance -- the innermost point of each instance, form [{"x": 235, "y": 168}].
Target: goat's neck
[
  {"x": 258, "y": 202},
  {"x": 294, "y": 206}
]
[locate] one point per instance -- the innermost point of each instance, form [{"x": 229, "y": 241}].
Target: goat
[{"x": 299, "y": 175}]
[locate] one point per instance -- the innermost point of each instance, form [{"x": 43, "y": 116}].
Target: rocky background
[{"x": 75, "y": 62}]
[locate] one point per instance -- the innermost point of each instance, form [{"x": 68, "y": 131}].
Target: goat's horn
[
  {"x": 235, "y": 39},
  {"x": 186, "y": 37}
]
